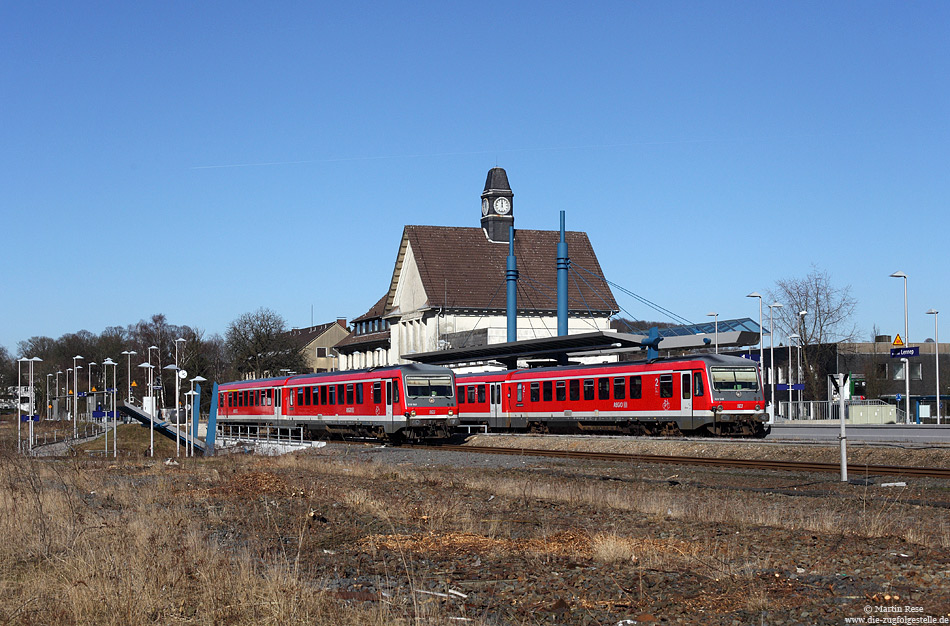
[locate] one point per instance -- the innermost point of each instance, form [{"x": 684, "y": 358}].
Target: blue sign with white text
[{"x": 899, "y": 353}]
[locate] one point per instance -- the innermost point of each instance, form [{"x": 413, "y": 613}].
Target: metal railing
[{"x": 812, "y": 410}]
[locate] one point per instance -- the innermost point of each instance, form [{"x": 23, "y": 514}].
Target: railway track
[{"x": 786, "y": 466}]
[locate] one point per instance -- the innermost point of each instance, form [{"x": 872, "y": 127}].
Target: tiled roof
[
  {"x": 303, "y": 336},
  {"x": 461, "y": 269},
  {"x": 377, "y": 310}
]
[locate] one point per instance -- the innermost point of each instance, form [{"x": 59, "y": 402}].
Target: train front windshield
[
  {"x": 430, "y": 387},
  {"x": 734, "y": 378}
]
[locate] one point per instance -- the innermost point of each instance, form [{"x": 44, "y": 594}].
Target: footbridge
[{"x": 166, "y": 428}]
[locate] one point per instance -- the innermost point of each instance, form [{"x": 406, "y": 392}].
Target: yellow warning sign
[
  {"x": 93, "y": 389},
  {"x": 898, "y": 342},
  {"x": 133, "y": 384}
]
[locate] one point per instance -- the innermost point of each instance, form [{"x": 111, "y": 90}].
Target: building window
[
  {"x": 321, "y": 353},
  {"x": 899, "y": 370}
]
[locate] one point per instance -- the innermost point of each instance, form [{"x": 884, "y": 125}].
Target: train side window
[
  {"x": 636, "y": 388},
  {"x": 574, "y": 390},
  {"x": 240, "y": 399},
  {"x": 481, "y": 393},
  {"x": 377, "y": 393},
  {"x": 359, "y": 393},
  {"x": 221, "y": 401},
  {"x": 535, "y": 392},
  {"x": 603, "y": 389},
  {"x": 698, "y": 390},
  {"x": 300, "y": 396},
  {"x": 332, "y": 397},
  {"x": 270, "y": 397},
  {"x": 620, "y": 389},
  {"x": 323, "y": 395},
  {"x": 471, "y": 394},
  {"x": 290, "y": 398},
  {"x": 307, "y": 397},
  {"x": 686, "y": 387},
  {"x": 349, "y": 393},
  {"x": 546, "y": 389},
  {"x": 520, "y": 393},
  {"x": 588, "y": 389},
  {"x": 460, "y": 394},
  {"x": 389, "y": 392},
  {"x": 496, "y": 394},
  {"x": 340, "y": 394},
  {"x": 666, "y": 385},
  {"x": 396, "y": 391},
  {"x": 560, "y": 391}
]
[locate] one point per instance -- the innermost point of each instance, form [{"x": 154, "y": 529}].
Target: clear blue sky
[{"x": 205, "y": 159}]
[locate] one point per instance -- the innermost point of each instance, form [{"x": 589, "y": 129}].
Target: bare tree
[
  {"x": 827, "y": 320},
  {"x": 259, "y": 345}
]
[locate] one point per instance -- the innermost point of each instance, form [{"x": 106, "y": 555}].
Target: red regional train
[
  {"x": 705, "y": 394},
  {"x": 398, "y": 403}
]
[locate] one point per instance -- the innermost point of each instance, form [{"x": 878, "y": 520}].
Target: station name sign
[{"x": 899, "y": 353}]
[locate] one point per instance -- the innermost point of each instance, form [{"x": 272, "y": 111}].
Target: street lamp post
[
  {"x": 128, "y": 385},
  {"x": 715, "y": 317},
  {"x": 89, "y": 390},
  {"x": 774, "y": 305},
  {"x": 76, "y": 369},
  {"x": 19, "y": 402},
  {"x": 151, "y": 422},
  {"x": 33, "y": 361},
  {"x": 756, "y": 294},
  {"x": 48, "y": 405},
  {"x": 192, "y": 427},
  {"x": 58, "y": 394},
  {"x": 899, "y": 274},
  {"x": 936, "y": 357},
  {"x": 111, "y": 390},
  {"x": 801, "y": 342},
  {"x": 174, "y": 368},
  {"x": 790, "y": 337}
]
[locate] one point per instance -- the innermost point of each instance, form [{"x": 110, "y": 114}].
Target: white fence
[{"x": 856, "y": 411}]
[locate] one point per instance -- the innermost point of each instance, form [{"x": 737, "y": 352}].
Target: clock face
[
  {"x": 484, "y": 206},
  {"x": 502, "y": 206}
]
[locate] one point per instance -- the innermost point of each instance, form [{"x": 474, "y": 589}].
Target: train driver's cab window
[
  {"x": 574, "y": 391},
  {"x": 734, "y": 378},
  {"x": 666, "y": 385},
  {"x": 620, "y": 389},
  {"x": 698, "y": 388}
]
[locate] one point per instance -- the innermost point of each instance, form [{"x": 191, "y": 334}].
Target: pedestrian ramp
[{"x": 166, "y": 428}]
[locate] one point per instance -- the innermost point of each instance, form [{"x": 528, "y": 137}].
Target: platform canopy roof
[{"x": 732, "y": 333}]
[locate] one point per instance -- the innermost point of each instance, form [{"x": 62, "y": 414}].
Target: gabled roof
[
  {"x": 303, "y": 336},
  {"x": 461, "y": 269}
]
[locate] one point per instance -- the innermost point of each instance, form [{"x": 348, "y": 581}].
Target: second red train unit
[{"x": 708, "y": 394}]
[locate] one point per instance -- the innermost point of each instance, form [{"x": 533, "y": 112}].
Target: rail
[{"x": 766, "y": 464}]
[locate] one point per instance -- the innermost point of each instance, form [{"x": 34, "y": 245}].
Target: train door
[
  {"x": 494, "y": 400},
  {"x": 278, "y": 392},
  {"x": 389, "y": 402},
  {"x": 686, "y": 405}
]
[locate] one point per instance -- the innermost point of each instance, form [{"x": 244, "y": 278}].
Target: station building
[{"x": 447, "y": 288}]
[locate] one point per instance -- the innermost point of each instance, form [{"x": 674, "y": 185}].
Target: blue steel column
[
  {"x": 511, "y": 276},
  {"x": 562, "y": 264}
]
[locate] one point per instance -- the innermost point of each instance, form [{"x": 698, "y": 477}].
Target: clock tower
[{"x": 497, "y": 211}]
